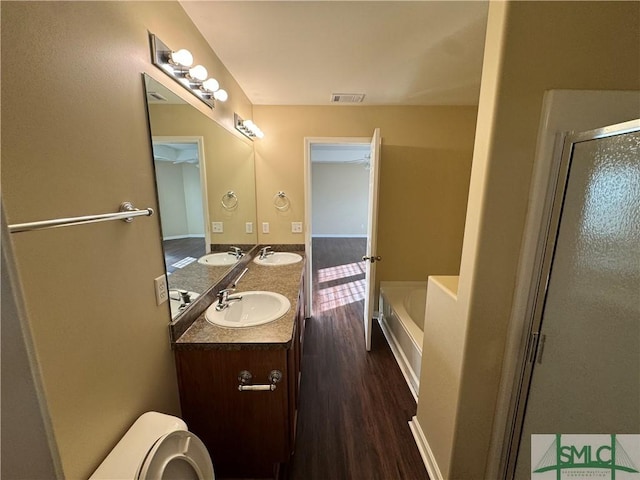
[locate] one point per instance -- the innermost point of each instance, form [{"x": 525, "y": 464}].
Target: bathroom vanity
[{"x": 239, "y": 386}]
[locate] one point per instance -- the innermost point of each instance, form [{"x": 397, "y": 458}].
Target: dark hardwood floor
[
  {"x": 179, "y": 249},
  {"x": 354, "y": 405}
]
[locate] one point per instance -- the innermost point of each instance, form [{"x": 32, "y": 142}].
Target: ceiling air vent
[{"x": 347, "y": 97}]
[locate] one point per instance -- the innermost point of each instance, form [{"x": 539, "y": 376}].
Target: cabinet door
[{"x": 246, "y": 432}]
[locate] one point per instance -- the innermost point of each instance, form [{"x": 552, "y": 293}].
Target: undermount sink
[
  {"x": 255, "y": 308},
  {"x": 219, "y": 259},
  {"x": 279, "y": 258}
]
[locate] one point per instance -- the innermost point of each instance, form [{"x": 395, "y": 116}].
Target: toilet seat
[{"x": 177, "y": 455}]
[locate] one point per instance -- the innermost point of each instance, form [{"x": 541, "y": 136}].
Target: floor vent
[{"x": 347, "y": 97}]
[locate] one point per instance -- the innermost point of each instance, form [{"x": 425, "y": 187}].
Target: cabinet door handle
[
  {"x": 244, "y": 377},
  {"x": 256, "y": 388}
]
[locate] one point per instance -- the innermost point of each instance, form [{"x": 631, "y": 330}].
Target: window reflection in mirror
[{"x": 204, "y": 176}]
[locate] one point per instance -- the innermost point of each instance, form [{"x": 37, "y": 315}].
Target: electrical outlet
[
  {"x": 162, "y": 292},
  {"x": 248, "y": 227},
  {"x": 265, "y": 227},
  {"x": 296, "y": 227},
  {"x": 216, "y": 227}
]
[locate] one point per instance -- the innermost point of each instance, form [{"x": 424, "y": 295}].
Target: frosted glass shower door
[{"x": 586, "y": 369}]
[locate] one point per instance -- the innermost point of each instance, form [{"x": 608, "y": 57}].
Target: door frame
[
  {"x": 199, "y": 140},
  {"x": 308, "y": 207},
  {"x": 562, "y": 111}
]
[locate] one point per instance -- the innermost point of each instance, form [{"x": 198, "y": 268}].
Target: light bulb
[
  {"x": 198, "y": 73},
  {"x": 211, "y": 84},
  {"x": 259, "y": 134},
  {"x": 182, "y": 57},
  {"x": 221, "y": 95}
]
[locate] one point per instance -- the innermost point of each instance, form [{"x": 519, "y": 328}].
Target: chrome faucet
[
  {"x": 223, "y": 295},
  {"x": 183, "y": 295},
  {"x": 265, "y": 252},
  {"x": 236, "y": 252},
  {"x": 224, "y": 298}
]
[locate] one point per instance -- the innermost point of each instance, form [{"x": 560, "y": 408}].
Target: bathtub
[{"x": 401, "y": 309}]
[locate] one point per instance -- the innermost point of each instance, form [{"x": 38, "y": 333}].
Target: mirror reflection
[{"x": 206, "y": 193}]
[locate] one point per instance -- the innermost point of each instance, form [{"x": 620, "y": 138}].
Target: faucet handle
[
  {"x": 224, "y": 293},
  {"x": 223, "y": 296},
  {"x": 183, "y": 295}
]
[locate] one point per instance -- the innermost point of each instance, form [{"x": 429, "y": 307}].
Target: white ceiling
[{"x": 301, "y": 52}]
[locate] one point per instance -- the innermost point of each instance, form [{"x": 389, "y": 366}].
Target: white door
[
  {"x": 585, "y": 351},
  {"x": 371, "y": 255}
]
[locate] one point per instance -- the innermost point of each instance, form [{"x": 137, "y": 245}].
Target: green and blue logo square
[{"x": 585, "y": 456}]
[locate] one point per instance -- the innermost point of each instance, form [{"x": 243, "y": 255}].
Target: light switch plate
[
  {"x": 248, "y": 227},
  {"x": 216, "y": 227},
  {"x": 265, "y": 227},
  {"x": 296, "y": 227}
]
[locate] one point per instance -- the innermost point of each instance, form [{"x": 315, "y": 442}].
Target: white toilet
[{"x": 157, "y": 446}]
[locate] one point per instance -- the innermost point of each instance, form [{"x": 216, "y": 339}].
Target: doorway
[
  {"x": 183, "y": 209},
  {"x": 338, "y": 191},
  {"x": 371, "y": 164}
]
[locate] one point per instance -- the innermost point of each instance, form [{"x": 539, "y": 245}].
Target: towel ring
[
  {"x": 281, "y": 201},
  {"x": 229, "y": 200}
]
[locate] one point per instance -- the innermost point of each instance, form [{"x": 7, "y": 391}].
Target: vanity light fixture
[
  {"x": 178, "y": 65},
  {"x": 247, "y": 127}
]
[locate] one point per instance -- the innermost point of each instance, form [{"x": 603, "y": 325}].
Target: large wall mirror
[{"x": 205, "y": 179}]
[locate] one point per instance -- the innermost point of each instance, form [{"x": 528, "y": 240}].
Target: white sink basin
[
  {"x": 219, "y": 259},
  {"x": 175, "y": 302},
  {"x": 279, "y": 258},
  {"x": 255, "y": 308}
]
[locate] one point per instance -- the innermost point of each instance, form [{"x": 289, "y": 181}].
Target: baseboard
[
  {"x": 401, "y": 359},
  {"x": 425, "y": 451},
  {"x": 178, "y": 237}
]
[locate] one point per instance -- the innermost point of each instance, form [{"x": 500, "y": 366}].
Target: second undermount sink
[
  {"x": 255, "y": 308},
  {"x": 279, "y": 258},
  {"x": 219, "y": 259}
]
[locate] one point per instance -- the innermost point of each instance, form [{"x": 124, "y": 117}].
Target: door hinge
[
  {"x": 540, "y": 348},
  {"x": 535, "y": 348}
]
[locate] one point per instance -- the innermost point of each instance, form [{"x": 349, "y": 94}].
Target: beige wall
[
  {"x": 531, "y": 47},
  {"x": 424, "y": 177},
  {"x": 74, "y": 142},
  {"x": 344, "y": 188}
]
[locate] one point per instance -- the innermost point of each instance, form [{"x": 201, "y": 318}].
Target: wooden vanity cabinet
[{"x": 247, "y": 433}]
